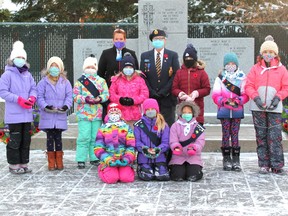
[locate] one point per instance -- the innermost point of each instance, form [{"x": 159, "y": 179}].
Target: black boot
[
  {"x": 236, "y": 159},
  {"x": 227, "y": 161}
]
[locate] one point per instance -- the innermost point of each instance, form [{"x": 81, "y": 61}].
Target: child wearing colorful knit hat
[
  {"x": 152, "y": 142},
  {"x": 115, "y": 147},
  {"x": 267, "y": 86},
  {"x": 54, "y": 100},
  {"x": 229, "y": 96},
  {"x": 18, "y": 89},
  {"x": 89, "y": 92}
]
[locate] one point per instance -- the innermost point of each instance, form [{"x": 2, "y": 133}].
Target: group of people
[{"x": 126, "y": 113}]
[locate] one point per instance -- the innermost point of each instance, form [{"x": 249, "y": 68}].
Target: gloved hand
[
  {"x": 230, "y": 104},
  {"x": 50, "y": 109},
  {"x": 274, "y": 103},
  {"x": 97, "y": 100},
  {"x": 191, "y": 149},
  {"x": 26, "y": 104},
  {"x": 156, "y": 96},
  {"x": 189, "y": 99},
  {"x": 194, "y": 95},
  {"x": 89, "y": 100},
  {"x": 122, "y": 101},
  {"x": 129, "y": 101},
  {"x": 113, "y": 163},
  {"x": 32, "y": 99},
  {"x": 182, "y": 96},
  {"x": 224, "y": 101},
  {"x": 259, "y": 103},
  {"x": 178, "y": 150},
  {"x": 146, "y": 152},
  {"x": 237, "y": 100},
  {"x": 62, "y": 109},
  {"x": 123, "y": 162}
]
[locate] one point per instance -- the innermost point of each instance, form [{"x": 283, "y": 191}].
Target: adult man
[
  {"x": 109, "y": 62},
  {"x": 160, "y": 66}
]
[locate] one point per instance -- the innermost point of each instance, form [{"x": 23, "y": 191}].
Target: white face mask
[
  {"x": 151, "y": 113},
  {"x": 90, "y": 71},
  {"x": 230, "y": 68},
  {"x": 114, "y": 117}
]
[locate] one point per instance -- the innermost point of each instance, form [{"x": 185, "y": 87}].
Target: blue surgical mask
[
  {"x": 128, "y": 71},
  {"x": 187, "y": 116},
  {"x": 158, "y": 44},
  {"x": 19, "y": 62},
  {"x": 268, "y": 57},
  {"x": 151, "y": 113},
  {"x": 54, "y": 71},
  {"x": 119, "y": 44}
]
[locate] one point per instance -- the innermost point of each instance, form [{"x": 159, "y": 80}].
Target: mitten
[
  {"x": 178, "y": 150},
  {"x": 129, "y": 101},
  {"x": 62, "y": 109},
  {"x": 24, "y": 103},
  {"x": 156, "y": 153},
  {"x": 189, "y": 99},
  {"x": 122, "y": 101},
  {"x": 237, "y": 100},
  {"x": 259, "y": 103},
  {"x": 97, "y": 100},
  {"x": 146, "y": 152},
  {"x": 194, "y": 95},
  {"x": 191, "y": 149},
  {"x": 32, "y": 99},
  {"x": 274, "y": 103},
  {"x": 89, "y": 100},
  {"x": 113, "y": 163},
  {"x": 50, "y": 109},
  {"x": 156, "y": 96},
  {"x": 123, "y": 162}
]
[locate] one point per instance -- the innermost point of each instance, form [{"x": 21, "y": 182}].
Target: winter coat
[
  {"x": 189, "y": 79},
  {"x": 177, "y": 134},
  {"x": 12, "y": 85},
  {"x": 143, "y": 140},
  {"x": 134, "y": 88},
  {"x": 220, "y": 92},
  {"x": 115, "y": 141},
  {"x": 56, "y": 95},
  {"x": 267, "y": 83},
  {"x": 85, "y": 111}
]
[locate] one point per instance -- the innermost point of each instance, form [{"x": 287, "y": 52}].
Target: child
[
  {"x": 89, "y": 92},
  {"x": 267, "y": 86},
  {"x": 129, "y": 89},
  {"x": 228, "y": 94},
  {"x": 115, "y": 147},
  {"x": 54, "y": 100},
  {"x": 191, "y": 82},
  {"x": 152, "y": 142},
  {"x": 18, "y": 89},
  {"x": 187, "y": 139}
]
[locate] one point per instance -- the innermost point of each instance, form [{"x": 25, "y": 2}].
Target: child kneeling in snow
[{"x": 115, "y": 147}]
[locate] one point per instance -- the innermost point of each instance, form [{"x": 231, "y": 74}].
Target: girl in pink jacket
[
  {"x": 267, "y": 86},
  {"x": 129, "y": 89},
  {"x": 187, "y": 138}
]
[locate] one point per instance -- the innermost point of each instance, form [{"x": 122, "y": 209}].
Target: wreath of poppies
[{"x": 285, "y": 119}]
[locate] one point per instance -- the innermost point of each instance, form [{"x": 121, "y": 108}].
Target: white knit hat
[
  {"x": 56, "y": 60},
  {"x": 90, "y": 61},
  {"x": 269, "y": 44},
  {"x": 18, "y": 51}
]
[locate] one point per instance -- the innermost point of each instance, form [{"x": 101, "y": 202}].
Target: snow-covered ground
[{"x": 81, "y": 193}]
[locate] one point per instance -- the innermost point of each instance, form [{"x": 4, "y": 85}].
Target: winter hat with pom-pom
[
  {"x": 90, "y": 61},
  {"x": 56, "y": 60},
  {"x": 191, "y": 52},
  {"x": 127, "y": 60},
  {"x": 150, "y": 104},
  {"x": 114, "y": 107},
  {"x": 231, "y": 57},
  {"x": 18, "y": 51},
  {"x": 269, "y": 44}
]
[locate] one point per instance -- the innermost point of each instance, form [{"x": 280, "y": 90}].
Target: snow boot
[
  {"x": 236, "y": 159},
  {"x": 59, "y": 160},
  {"x": 227, "y": 161},
  {"x": 51, "y": 160}
]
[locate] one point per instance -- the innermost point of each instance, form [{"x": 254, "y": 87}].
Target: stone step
[{"x": 213, "y": 138}]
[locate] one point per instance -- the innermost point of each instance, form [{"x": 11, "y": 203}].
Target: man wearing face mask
[
  {"x": 110, "y": 59},
  {"x": 191, "y": 82},
  {"x": 159, "y": 66}
]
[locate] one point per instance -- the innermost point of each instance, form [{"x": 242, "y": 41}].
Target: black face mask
[{"x": 189, "y": 63}]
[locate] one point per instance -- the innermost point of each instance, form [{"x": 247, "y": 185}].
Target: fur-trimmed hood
[
  {"x": 10, "y": 63},
  {"x": 193, "y": 105}
]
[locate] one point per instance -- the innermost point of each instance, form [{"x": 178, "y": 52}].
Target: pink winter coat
[
  {"x": 177, "y": 134},
  {"x": 135, "y": 88}
]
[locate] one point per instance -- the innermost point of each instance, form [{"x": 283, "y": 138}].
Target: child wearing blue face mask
[
  {"x": 54, "y": 100},
  {"x": 187, "y": 139},
  {"x": 129, "y": 89}
]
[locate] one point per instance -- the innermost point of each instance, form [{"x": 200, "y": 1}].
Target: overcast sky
[{"x": 7, "y": 4}]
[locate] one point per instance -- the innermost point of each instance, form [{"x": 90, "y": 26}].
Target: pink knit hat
[{"x": 150, "y": 104}]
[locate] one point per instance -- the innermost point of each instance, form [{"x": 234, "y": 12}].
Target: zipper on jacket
[
  {"x": 266, "y": 89},
  {"x": 189, "y": 82}
]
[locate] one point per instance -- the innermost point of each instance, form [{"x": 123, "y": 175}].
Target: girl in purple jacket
[
  {"x": 187, "y": 138},
  {"x": 18, "y": 89},
  {"x": 152, "y": 142},
  {"x": 54, "y": 99}
]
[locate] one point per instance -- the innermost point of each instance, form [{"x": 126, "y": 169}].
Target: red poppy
[
  {"x": 123, "y": 131},
  {"x": 2, "y": 134},
  {"x": 285, "y": 125},
  {"x": 37, "y": 129},
  {"x": 195, "y": 75},
  {"x": 86, "y": 83},
  {"x": 155, "y": 128},
  {"x": 165, "y": 56},
  {"x": 30, "y": 132},
  {"x": 7, "y": 140},
  {"x": 193, "y": 135}
]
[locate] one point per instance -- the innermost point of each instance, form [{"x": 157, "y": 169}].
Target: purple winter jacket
[
  {"x": 57, "y": 96},
  {"x": 143, "y": 140},
  {"x": 12, "y": 85},
  {"x": 177, "y": 134}
]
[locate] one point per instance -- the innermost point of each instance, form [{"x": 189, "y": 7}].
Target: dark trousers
[
  {"x": 230, "y": 128},
  {"x": 18, "y": 147},
  {"x": 185, "y": 170},
  {"x": 268, "y": 138},
  {"x": 54, "y": 136}
]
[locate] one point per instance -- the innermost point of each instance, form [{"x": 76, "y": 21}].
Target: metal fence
[{"x": 43, "y": 40}]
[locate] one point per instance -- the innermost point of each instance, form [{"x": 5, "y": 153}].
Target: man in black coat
[
  {"x": 110, "y": 59},
  {"x": 159, "y": 66}
]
